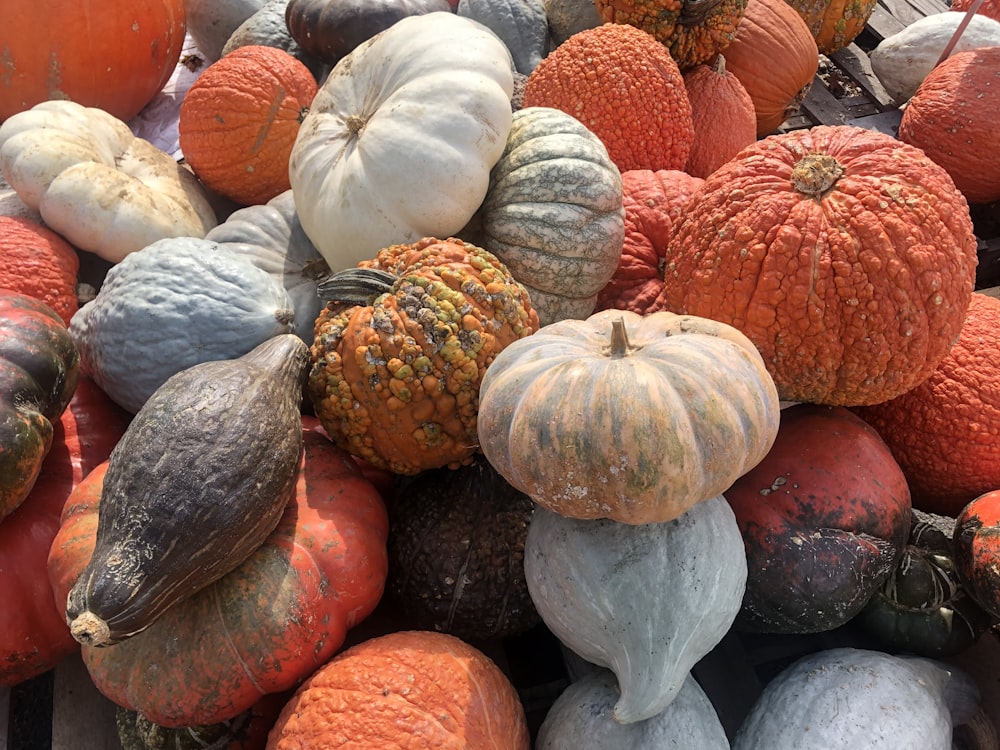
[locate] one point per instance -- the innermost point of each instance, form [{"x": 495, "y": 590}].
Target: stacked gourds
[{"x": 569, "y": 316}]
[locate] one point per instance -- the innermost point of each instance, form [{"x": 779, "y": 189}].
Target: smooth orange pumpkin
[
  {"x": 945, "y": 432},
  {"x": 39, "y": 263},
  {"x": 834, "y": 24},
  {"x": 622, "y": 84},
  {"x": 112, "y": 55},
  {"x": 409, "y": 689},
  {"x": 723, "y": 115},
  {"x": 952, "y": 117},
  {"x": 239, "y": 120},
  {"x": 776, "y": 58},
  {"x": 847, "y": 257}
]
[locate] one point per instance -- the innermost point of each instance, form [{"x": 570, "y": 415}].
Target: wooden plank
[
  {"x": 882, "y": 24},
  {"x": 884, "y": 122},
  {"x": 82, "y": 718},
  {"x": 823, "y": 106},
  {"x": 856, "y": 64}
]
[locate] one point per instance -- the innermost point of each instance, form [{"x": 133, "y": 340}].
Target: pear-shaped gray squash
[
  {"x": 645, "y": 601},
  {"x": 197, "y": 482}
]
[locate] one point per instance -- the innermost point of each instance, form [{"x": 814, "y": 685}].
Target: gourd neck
[
  {"x": 355, "y": 286},
  {"x": 816, "y": 175}
]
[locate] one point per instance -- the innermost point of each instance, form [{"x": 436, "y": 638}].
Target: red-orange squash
[
  {"x": 952, "y": 117},
  {"x": 989, "y": 8},
  {"x": 722, "y": 113},
  {"x": 115, "y": 56},
  {"x": 945, "y": 432},
  {"x": 654, "y": 204},
  {"x": 834, "y": 24},
  {"x": 775, "y": 57},
  {"x": 625, "y": 87},
  {"x": 847, "y": 257},
  {"x": 262, "y": 628},
  {"x": 39, "y": 263},
  {"x": 33, "y": 632},
  {"x": 408, "y": 689},
  {"x": 977, "y": 550},
  {"x": 239, "y": 120}
]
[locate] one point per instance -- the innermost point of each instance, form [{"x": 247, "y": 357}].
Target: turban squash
[{"x": 847, "y": 257}]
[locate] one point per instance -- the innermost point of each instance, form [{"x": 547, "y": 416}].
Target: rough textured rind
[
  {"x": 834, "y": 24},
  {"x": 39, "y": 263},
  {"x": 396, "y": 382},
  {"x": 846, "y": 257}
]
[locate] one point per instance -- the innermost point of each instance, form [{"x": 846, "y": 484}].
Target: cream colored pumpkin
[
  {"x": 399, "y": 141},
  {"x": 95, "y": 183}
]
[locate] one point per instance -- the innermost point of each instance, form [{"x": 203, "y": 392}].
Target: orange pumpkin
[
  {"x": 834, "y": 24},
  {"x": 977, "y": 550},
  {"x": 115, "y": 56},
  {"x": 945, "y": 432},
  {"x": 39, "y": 263},
  {"x": 622, "y": 84},
  {"x": 847, "y": 257},
  {"x": 775, "y": 57},
  {"x": 723, "y": 115},
  {"x": 952, "y": 117},
  {"x": 239, "y": 120},
  {"x": 409, "y": 689}
]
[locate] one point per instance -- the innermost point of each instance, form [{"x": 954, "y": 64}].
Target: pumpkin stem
[
  {"x": 619, "y": 346},
  {"x": 355, "y": 286},
  {"x": 355, "y": 123},
  {"x": 816, "y": 174},
  {"x": 90, "y": 630}
]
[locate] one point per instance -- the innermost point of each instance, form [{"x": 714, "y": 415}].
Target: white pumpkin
[
  {"x": 95, "y": 183},
  {"x": 399, "y": 141},
  {"x": 903, "y": 60}
]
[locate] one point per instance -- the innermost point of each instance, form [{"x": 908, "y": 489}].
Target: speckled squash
[
  {"x": 592, "y": 582},
  {"x": 553, "y": 213},
  {"x": 976, "y": 547},
  {"x": 198, "y": 481},
  {"x": 846, "y": 257},
  {"x": 703, "y": 410},
  {"x": 402, "y": 346},
  {"x": 834, "y": 24}
]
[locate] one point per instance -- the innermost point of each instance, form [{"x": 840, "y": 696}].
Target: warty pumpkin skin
[
  {"x": 214, "y": 450},
  {"x": 239, "y": 120},
  {"x": 702, "y": 411},
  {"x": 722, "y": 113},
  {"x": 846, "y": 257},
  {"x": 39, "y": 370},
  {"x": 834, "y": 24},
  {"x": 976, "y": 544},
  {"x": 395, "y": 376},
  {"x": 40, "y": 263},
  {"x": 624, "y": 86},
  {"x": 33, "y": 633},
  {"x": 264, "y": 627},
  {"x": 415, "y": 689}
]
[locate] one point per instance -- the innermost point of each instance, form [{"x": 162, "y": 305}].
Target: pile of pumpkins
[{"x": 500, "y": 315}]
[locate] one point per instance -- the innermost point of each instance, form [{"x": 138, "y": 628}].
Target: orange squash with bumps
[
  {"x": 39, "y": 263},
  {"x": 723, "y": 115}
]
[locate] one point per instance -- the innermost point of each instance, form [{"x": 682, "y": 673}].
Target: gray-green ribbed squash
[
  {"x": 553, "y": 212},
  {"x": 581, "y": 717},
  {"x": 645, "y": 601}
]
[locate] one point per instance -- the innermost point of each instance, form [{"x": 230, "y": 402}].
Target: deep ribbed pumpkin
[
  {"x": 775, "y": 57},
  {"x": 39, "y": 263},
  {"x": 654, "y": 204},
  {"x": 952, "y": 117},
  {"x": 239, "y": 121},
  {"x": 722, "y": 113},
  {"x": 847, "y": 257},
  {"x": 416, "y": 688},
  {"x": 945, "y": 432},
  {"x": 623, "y": 85},
  {"x": 693, "y": 30},
  {"x": 834, "y": 24}
]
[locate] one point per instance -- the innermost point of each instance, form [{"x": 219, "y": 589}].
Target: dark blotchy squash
[
  {"x": 39, "y": 369},
  {"x": 195, "y": 485}
]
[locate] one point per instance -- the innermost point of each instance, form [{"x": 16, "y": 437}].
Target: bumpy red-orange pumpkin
[
  {"x": 239, "y": 120},
  {"x": 847, "y": 257},
  {"x": 409, "y": 689},
  {"x": 834, "y": 24},
  {"x": 945, "y": 432},
  {"x": 693, "y": 31},
  {"x": 952, "y": 117},
  {"x": 723, "y": 115},
  {"x": 626, "y": 88},
  {"x": 775, "y": 57},
  {"x": 114, "y": 56},
  {"x": 989, "y": 8},
  {"x": 39, "y": 263},
  {"x": 654, "y": 204}
]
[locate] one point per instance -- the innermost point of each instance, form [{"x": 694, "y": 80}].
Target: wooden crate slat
[
  {"x": 823, "y": 106},
  {"x": 855, "y": 63},
  {"x": 883, "y": 24},
  {"x": 82, "y": 718}
]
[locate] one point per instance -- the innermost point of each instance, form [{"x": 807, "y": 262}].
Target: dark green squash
[
  {"x": 456, "y": 553},
  {"x": 195, "y": 485},
  {"x": 39, "y": 370}
]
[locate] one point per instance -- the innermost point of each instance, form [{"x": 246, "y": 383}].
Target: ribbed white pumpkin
[
  {"x": 646, "y": 601},
  {"x": 173, "y": 304},
  {"x": 554, "y": 213},
  {"x": 399, "y": 142}
]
